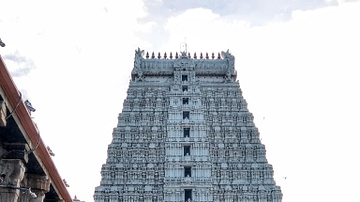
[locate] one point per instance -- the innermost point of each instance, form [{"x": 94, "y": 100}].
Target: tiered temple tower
[{"x": 185, "y": 134}]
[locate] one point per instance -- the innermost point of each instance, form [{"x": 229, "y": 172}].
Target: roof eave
[{"x": 30, "y": 131}]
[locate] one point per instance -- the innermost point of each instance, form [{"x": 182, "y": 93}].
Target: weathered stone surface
[
  {"x": 12, "y": 172},
  {"x": 185, "y": 134}
]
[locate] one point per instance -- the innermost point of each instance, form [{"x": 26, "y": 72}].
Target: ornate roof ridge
[
  {"x": 205, "y": 56},
  {"x": 178, "y": 54},
  {"x": 144, "y": 64}
]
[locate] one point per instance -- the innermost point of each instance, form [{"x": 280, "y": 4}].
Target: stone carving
[
  {"x": 231, "y": 64},
  {"x": 137, "y": 64},
  {"x": 164, "y": 66},
  {"x": 213, "y": 150},
  {"x": 183, "y": 54},
  {"x": 12, "y": 171}
]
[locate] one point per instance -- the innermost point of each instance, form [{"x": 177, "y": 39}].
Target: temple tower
[{"x": 185, "y": 134}]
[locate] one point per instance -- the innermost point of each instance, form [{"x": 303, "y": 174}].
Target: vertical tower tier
[{"x": 185, "y": 134}]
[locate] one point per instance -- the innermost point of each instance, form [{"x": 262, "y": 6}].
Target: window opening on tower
[
  {"x": 188, "y": 195},
  {"x": 186, "y": 150},
  {"x": 187, "y": 171},
  {"x": 186, "y": 115},
  {"x": 186, "y": 132}
]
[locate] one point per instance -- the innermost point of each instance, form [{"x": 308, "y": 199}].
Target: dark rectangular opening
[
  {"x": 187, "y": 171},
  {"x": 184, "y": 77},
  {"x": 186, "y": 132},
  {"x": 188, "y": 195},
  {"x": 185, "y": 88},
  {"x": 185, "y": 101},
  {"x": 186, "y": 150},
  {"x": 186, "y": 115}
]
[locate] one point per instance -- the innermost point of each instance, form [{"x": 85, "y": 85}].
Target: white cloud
[
  {"x": 18, "y": 64},
  {"x": 203, "y": 30}
]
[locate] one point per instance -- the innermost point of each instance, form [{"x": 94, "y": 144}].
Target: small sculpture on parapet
[
  {"x": 183, "y": 54},
  {"x": 231, "y": 65},
  {"x": 138, "y": 56},
  {"x": 137, "y": 64}
]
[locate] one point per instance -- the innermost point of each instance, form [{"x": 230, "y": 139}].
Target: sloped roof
[{"x": 30, "y": 132}]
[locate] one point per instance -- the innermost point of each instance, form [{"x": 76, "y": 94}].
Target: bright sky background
[{"x": 297, "y": 61}]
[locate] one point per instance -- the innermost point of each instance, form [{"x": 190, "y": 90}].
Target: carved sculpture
[
  {"x": 137, "y": 64},
  {"x": 12, "y": 171}
]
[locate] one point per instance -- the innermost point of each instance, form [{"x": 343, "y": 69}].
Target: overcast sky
[{"x": 297, "y": 63}]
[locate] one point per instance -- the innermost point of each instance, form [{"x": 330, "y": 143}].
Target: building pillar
[
  {"x": 39, "y": 185},
  {"x": 11, "y": 174},
  {"x": 12, "y": 171}
]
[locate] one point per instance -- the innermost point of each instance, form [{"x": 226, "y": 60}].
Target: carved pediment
[{"x": 184, "y": 62}]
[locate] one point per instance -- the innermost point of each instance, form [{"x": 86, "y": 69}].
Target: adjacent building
[
  {"x": 27, "y": 172},
  {"x": 185, "y": 134}
]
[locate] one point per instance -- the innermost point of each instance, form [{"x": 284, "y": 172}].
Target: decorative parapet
[{"x": 221, "y": 65}]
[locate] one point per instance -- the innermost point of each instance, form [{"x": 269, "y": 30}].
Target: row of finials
[{"x": 177, "y": 56}]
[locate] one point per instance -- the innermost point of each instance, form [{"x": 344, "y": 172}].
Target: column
[
  {"x": 39, "y": 185},
  {"x": 12, "y": 171}
]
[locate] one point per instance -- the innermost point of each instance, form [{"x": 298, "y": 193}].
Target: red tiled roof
[{"x": 31, "y": 133}]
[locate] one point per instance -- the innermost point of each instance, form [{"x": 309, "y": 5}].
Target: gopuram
[{"x": 185, "y": 134}]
